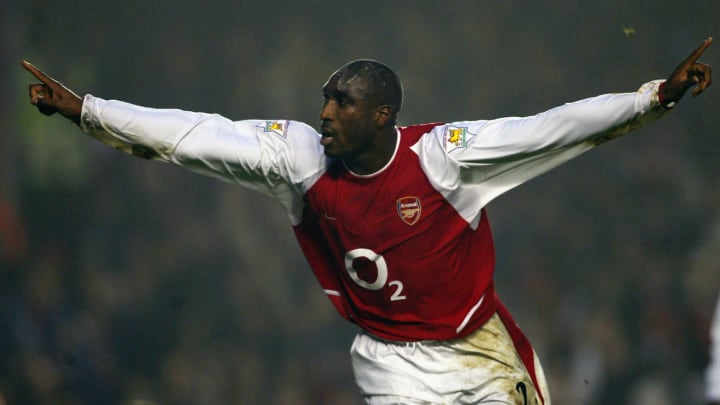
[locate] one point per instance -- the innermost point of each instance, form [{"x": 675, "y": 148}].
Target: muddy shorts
[{"x": 482, "y": 368}]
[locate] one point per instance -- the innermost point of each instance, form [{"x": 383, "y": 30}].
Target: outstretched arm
[
  {"x": 499, "y": 155},
  {"x": 689, "y": 73},
  {"x": 273, "y": 157},
  {"x": 50, "y": 96}
]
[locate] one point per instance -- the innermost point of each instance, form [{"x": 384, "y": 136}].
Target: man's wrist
[{"x": 662, "y": 100}]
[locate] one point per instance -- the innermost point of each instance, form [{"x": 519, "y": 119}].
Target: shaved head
[{"x": 381, "y": 83}]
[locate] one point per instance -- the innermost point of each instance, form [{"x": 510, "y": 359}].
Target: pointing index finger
[
  {"x": 699, "y": 51},
  {"x": 37, "y": 73}
]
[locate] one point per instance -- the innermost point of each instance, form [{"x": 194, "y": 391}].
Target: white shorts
[{"x": 482, "y": 368}]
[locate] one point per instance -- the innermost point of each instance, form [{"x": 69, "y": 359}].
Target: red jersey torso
[{"x": 393, "y": 254}]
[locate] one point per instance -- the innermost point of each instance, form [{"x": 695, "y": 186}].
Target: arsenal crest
[{"x": 409, "y": 209}]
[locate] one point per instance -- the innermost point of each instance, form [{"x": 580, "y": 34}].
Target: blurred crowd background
[{"x": 124, "y": 281}]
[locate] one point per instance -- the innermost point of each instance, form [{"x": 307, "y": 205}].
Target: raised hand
[
  {"x": 689, "y": 73},
  {"x": 50, "y": 96}
]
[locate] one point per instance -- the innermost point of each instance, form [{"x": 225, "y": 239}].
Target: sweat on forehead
[
  {"x": 379, "y": 79},
  {"x": 349, "y": 78}
]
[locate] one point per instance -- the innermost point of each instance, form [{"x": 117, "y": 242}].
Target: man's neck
[{"x": 378, "y": 156}]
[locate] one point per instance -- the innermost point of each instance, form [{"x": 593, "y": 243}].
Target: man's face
[{"x": 347, "y": 116}]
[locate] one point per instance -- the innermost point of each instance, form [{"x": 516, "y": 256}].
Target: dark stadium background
[{"x": 124, "y": 281}]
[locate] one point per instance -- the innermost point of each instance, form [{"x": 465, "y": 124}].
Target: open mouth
[
  {"x": 327, "y": 135},
  {"x": 326, "y": 140}
]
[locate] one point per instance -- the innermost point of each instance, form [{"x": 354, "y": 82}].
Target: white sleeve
[
  {"x": 278, "y": 158},
  {"x": 712, "y": 373},
  {"x": 485, "y": 159}
]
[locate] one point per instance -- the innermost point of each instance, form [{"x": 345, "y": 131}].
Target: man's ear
[{"x": 383, "y": 115}]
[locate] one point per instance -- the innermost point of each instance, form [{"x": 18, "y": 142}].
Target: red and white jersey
[
  {"x": 393, "y": 252},
  {"x": 406, "y": 253}
]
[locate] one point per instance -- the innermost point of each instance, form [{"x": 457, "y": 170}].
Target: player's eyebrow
[{"x": 337, "y": 94}]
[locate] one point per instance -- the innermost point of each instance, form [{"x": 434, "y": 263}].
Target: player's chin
[
  {"x": 330, "y": 151},
  {"x": 330, "y": 147}
]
